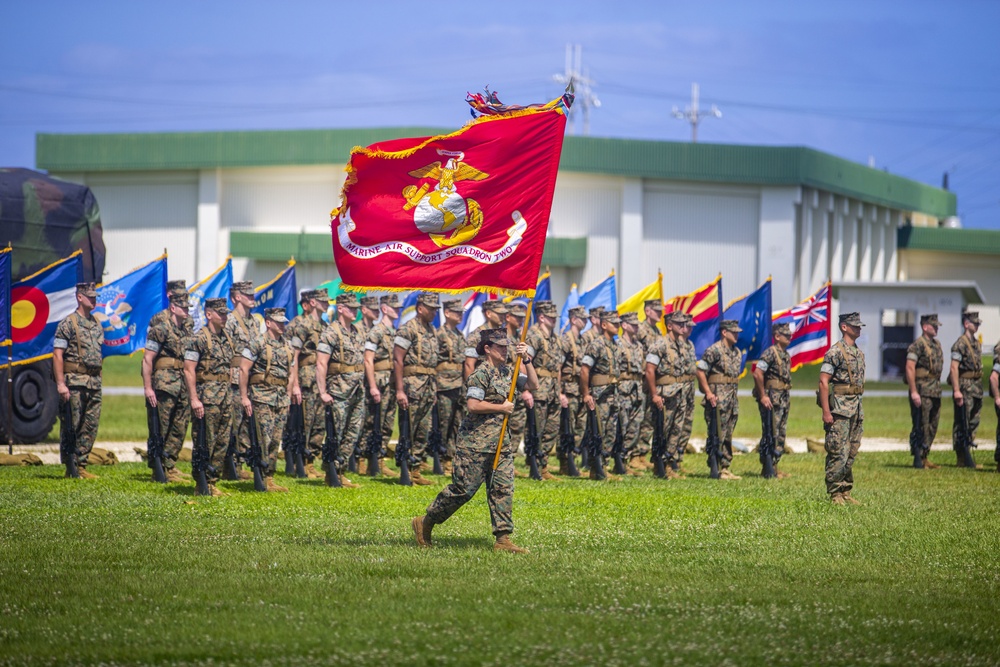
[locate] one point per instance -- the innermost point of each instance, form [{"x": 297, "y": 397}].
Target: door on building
[{"x": 898, "y": 332}]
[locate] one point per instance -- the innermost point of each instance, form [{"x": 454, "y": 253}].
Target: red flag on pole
[{"x": 463, "y": 211}]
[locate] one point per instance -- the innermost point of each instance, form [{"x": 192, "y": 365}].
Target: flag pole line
[{"x": 513, "y": 386}]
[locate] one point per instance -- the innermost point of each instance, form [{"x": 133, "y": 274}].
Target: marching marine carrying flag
[
  {"x": 704, "y": 305},
  {"x": 215, "y": 286},
  {"x": 810, "y": 324},
  {"x": 38, "y": 303},
  {"x": 280, "y": 292},
  {"x": 125, "y": 307},
  {"x": 753, "y": 312},
  {"x": 466, "y": 210},
  {"x": 5, "y": 296}
]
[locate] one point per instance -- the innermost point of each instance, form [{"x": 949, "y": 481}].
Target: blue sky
[{"x": 914, "y": 86}]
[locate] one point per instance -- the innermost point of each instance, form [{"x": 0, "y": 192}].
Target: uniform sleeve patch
[
  {"x": 399, "y": 341},
  {"x": 702, "y": 364},
  {"x": 587, "y": 360},
  {"x": 192, "y": 355},
  {"x": 956, "y": 356},
  {"x": 762, "y": 365},
  {"x": 653, "y": 359},
  {"x": 324, "y": 348},
  {"x": 477, "y": 393},
  {"x": 911, "y": 356},
  {"x": 370, "y": 347},
  {"x": 60, "y": 343},
  {"x": 152, "y": 346},
  {"x": 826, "y": 368},
  {"x": 471, "y": 353}
]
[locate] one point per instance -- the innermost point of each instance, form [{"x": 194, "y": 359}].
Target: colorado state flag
[{"x": 38, "y": 303}]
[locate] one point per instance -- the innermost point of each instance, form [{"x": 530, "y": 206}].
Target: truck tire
[{"x": 36, "y": 403}]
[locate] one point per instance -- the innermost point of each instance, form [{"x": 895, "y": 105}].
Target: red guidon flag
[{"x": 462, "y": 211}]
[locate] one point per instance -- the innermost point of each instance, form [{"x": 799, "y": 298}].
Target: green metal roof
[
  {"x": 305, "y": 247},
  {"x": 714, "y": 163},
  {"x": 942, "y": 239}
]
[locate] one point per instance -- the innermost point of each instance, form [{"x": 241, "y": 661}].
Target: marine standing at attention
[
  {"x": 924, "y": 363},
  {"x": 841, "y": 386}
]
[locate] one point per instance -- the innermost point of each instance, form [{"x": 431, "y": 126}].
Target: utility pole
[
  {"x": 694, "y": 115},
  {"x": 580, "y": 79}
]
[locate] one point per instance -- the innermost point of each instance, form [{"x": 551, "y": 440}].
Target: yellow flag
[{"x": 637, "y": 302}]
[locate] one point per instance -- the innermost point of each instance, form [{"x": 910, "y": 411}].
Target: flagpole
[
  {"x": 513, "y": 386},
  {"x": 10, "y": 360}
]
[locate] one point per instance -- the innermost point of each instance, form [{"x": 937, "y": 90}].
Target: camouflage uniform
[
  {"x": 379, "y": 341},
  {"x": 928, "y": 357},
  {"x": 601, "y": 356},
  {"x": 572, "y": 350},
  {"x": 721, "y": 364},
  {"x": 273, "y": 361},
  {"x": 80, "y": 338},
  {"x": 547, "y": 357},
  {"x": 169, "y": 341},
  {"x": 996, "y": 408},
  {"x": 243, "y": 332},
  {"x": 419, "y": 371},
  {"x": 304, "y": 333},
  {"x": 477, "y": 442},
  {"x": 647, "y": 335},
  {"x": 845, "y": 364},
  {"x": 968, "y": 352},
  {"x": 775, "y": 364},
  {"x": 632, "y": 362},
  {"x": 345, "y": 380},
  {"x": 213, "y": 354},
  {"x": 450, "y": 401},
  {"x": 675, "y": 360}
]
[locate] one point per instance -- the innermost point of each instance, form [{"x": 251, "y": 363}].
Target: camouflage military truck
[{"x": 44, "y": 219}]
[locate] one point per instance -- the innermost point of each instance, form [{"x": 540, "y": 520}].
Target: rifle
[
  {"x": 331, "y": 451},
  {"x": 67, "y": 442},
  {"x": 154, "y": 444},
  {"x": 765, "y": 449},
  {"x": 594, "y": 446},
  {"x": 294, "y": 442},
  {"x": 255, "y": 455},
  {"x": 658, "y": 455},
  {"x": 713, "y": 443},
  {"x": 618, "y": 448},
  {"x": 964, "y": 443},
  {"x": 403, "y": 446},
  {"x": 374, "y": 450},
  {"x": 916, "y": 437},
  {"x": 532, "y": 444},
  {"x": 229, "y": 471},
  {"x": 567, "y": 441},
  {"x": 199, "y": 459},
  {"x": 435, "y": 443}
]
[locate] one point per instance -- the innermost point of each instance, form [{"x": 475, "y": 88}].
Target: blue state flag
[
  {"x": 37, "y": 305},
  {"x": 604, "y": 293},
  {"x": 753, "y": 312},
  {"x": 215, "y": 286},
  {"x": 4, "y": 296},
  {"x": 125, "y": 307},
  {"x": 279, "y": 293},
  {"x": 572, "y": 301}
]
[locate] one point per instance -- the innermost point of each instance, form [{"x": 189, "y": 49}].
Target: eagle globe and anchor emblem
[{"x": 442, "y": 212}]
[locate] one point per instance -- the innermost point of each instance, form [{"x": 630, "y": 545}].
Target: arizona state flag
[{"x": 463, "y": 211}]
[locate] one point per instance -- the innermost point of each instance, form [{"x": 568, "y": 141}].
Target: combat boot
[
  {"x": 348, "y": 484},
  {"x": 673, "y": 474},
  {"x": 503, "y": 543},
  {"x": 422, "y": 527},
  {"x": 837, "y": 499},
  {"x": 86, "y": 475},
  {"x": 726, "y": 474},
  {"x": 546, "y": 475},
  {"x": 849, "y": 499},
  {"x": 311, "y": 472},
  {"x": 271, "y": 486},
  {"x": 213, "y": 490},
  {"x": 518, "y": 473},
  {"x": 244, "y": 474},
  {"x": 386, "y": 470},
  {"x": 174, "y": 475},
  {"x": 448, "y": 467},
  {"x": 929, "y": 465},
  {"x": 419, "y": 479},
  {"x": 781, "y": 474},
  {"x": 363, "y": 467}
]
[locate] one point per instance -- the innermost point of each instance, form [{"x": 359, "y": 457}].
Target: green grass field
[{"x": 638, "y": 572}]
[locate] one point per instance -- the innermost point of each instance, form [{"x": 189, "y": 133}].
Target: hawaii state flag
[
  {"x": 215, "y": 286},
  {"x": 704, "y": 305},
  {"x": 39, "y": 303},
  {"x": 810, "y": 324},
  {"x": 125, "y": 307},
  {"x": 462, "y": 211}
]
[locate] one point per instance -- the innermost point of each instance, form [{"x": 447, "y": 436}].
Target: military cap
[
  {"x": 179, "y": 299},
  {"x": 596, "y": 312},
  {"x": 688, "y": 318},
  {"x": 304, "y": 295},
  {"x": 578, "y": 311},
  {"x": 630, "y": 317},
  {"x": 243, "y": 287},
  {"x": 492, "y": 337},
  {"x": 930, "y": 318},
  {"x": 971, "y": 317},
  {"x": 611, "y": 316},
  {"x": 391, "y": 300},
  {"x": 853, "y": 319},
  {"x": 219, "y": 305},
  {"x": 87, "y": 289},
  {"x": 369, "y": 301},
  {"x": 174, "y": 286},
  {"x": 731, "y": 325},
  {"x": 275, "y": 315},
  {"x": 518, "y": 309},
  {"x": 677, "y": 317},
  {"x": 496, "y": 306},
  {"x": 429, "y": 299},
  {"x": 319, "y": 295},
  {"x": 349, "y": 299},
  {"x": 547, "y": 308},
  {"x": 454, "y": 305},
  {"x": 655, "y": 304},
  {"x": 783, "y": 329}
]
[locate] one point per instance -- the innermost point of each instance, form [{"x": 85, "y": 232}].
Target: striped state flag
[
  {"x": 704, "y": 305},
  {"x": 810, "y": 324},
  {"x": 39, "y": 303}
]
